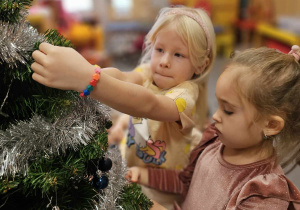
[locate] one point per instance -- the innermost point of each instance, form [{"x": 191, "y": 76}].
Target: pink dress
[{"x": 209, "y": 182}]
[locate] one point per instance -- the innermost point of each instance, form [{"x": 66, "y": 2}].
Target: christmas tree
[{"x": 53, "y": 143}]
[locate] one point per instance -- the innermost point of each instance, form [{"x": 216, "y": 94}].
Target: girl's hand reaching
[
  {"x": 137, "y": 175},
  {"x": 61, "y": 67},
  {"x": 116, "y": 132},
  {"x": 115, "y": 135}
]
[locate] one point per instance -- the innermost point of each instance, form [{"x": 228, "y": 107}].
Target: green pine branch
[
  {"x": 54, "y": 37},
  {"x": 64, "y": 178},
  {"x": 10, "y": 9},
  {"x": 132, "y": 198},
  {"x": 27, "y": 96}
]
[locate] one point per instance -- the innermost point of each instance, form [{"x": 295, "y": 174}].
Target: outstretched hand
[
  {"x": 137, "y": 175},
  {"x": 61, "y": 67},
  {"x": 115, "y": 135}
]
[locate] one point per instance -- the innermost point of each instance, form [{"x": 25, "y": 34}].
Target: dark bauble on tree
[
  {"x": 105, "y": 164},
  {"x": 100, "y": 183}
]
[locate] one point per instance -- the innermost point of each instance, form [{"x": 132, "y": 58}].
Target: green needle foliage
[
  {"x": 133, "y": 199},
  {"x": 27, "y": 96},
  {"x": 62, "y": 178},
  {"x": 51, "y": 180},
  {"x": 10, "y": 10}
]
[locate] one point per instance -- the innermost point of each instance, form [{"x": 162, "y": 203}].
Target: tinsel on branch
[
  {"x": 67, "y": 131},
  {"x": 52, "y": 141},
  {"x": 16, "y": 41},
  {"x": 11, "y": 9}
]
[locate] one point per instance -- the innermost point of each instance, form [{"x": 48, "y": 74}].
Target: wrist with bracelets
[{"x": 93, "y": 82}]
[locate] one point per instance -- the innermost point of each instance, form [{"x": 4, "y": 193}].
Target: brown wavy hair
[{"x": 270, "y": 80}]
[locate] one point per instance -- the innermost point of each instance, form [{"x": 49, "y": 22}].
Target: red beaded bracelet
[{"x": 93, "y": 82}]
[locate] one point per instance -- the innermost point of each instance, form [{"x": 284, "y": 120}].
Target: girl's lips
[
  {"x": 162, "y": 75},
  {"x": 217, "y": 130}
]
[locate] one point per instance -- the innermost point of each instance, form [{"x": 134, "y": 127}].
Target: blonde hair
[
  {"x": 270, "y": 80},
  {"x": 194, "y": 36}
]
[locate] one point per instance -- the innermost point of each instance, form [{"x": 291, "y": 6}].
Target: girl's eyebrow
[{"x": 228, "y": 103}]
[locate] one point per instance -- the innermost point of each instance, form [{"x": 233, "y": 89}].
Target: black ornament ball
[
  {"x": 100, "y": 183},
  {"x": 105, "y": 164}
]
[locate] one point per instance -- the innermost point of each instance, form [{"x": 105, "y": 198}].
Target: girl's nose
[
  {"x": 216, "y": 117},
  {"x": 165, "y": 61}
]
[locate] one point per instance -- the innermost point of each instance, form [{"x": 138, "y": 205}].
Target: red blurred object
[
  {"x": 246, "y": 24},
  {"x": 277, "y": 45},
  {"x": 206, "y": 5}
]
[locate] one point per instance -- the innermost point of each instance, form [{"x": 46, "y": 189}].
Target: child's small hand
[
  {"x": 137, "y": 175},
  {"x": 61, "y": 67},
  {"x": 115, "y": 135},
  {"x": 116, "y": 132},
  {"x": 133, "y": 174}
]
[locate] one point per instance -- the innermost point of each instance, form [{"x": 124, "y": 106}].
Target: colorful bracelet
[{"x": 93, "y": 82}]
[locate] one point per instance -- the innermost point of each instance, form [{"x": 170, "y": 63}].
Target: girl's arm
[
  {"x": 64, "y": 68},
  {"x": 165, "y": 180},
  {"x": 116, "y": 132}
]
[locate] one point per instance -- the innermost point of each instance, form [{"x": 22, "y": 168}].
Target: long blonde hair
[{"x": 195, "y": 37}]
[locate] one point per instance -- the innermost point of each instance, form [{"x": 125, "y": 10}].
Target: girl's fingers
[
  {"x": 45, "y": 47},
  {"x": 38, "y": 69},
  {"x": 134, "y": 177},
  {"x": 128, "y": 175},
  {"x": 39, "y": 57},
  {"x": 38, "y": 78}
]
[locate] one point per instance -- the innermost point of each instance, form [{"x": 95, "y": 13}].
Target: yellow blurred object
[
  {"x": 41, "y": 18},
  {"x": 224, "y": 15},
  {"x": 269, "y": 31},
  {"x": 88, "y": 39},
  {"x": 84, "y": 35},
  {"x": 225, "y": 43},
  {"x": 80, "y": 34}
]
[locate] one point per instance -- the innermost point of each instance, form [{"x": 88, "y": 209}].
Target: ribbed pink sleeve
[
  {"x": 165, "y": 180},
  {"x": 178, "y": 182}
]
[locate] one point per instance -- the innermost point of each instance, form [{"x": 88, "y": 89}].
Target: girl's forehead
[
  {"x": 168, "y": 27},
  {"x": 227, "y": 88}
]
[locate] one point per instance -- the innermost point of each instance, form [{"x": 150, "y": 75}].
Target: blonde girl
[
  {"x": 236, "y": 165},
  {"x": 165, "y": 95}
]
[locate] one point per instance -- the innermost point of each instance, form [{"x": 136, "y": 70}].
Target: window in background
[
  {"x": 122, "y": 7},
  {"x": 72, "y": 6}
]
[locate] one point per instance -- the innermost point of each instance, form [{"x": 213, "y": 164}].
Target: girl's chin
[{"x": 163, "y": 82}]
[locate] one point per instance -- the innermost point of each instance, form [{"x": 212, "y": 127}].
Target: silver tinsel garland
[
  {"x": 16, "y": 40},
  {"x": 116, "y": 176},
  {"x": 27, "y": 140}
]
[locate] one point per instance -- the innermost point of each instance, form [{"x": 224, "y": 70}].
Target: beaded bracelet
[{"x": 93, "y": 82}]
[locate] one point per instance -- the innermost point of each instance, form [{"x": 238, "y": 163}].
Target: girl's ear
[
  {"x": 274, "y": 125},
  {"x": 200, "y": 69}
]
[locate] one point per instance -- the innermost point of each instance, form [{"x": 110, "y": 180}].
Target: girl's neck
[{"x": 247, "y": 155}]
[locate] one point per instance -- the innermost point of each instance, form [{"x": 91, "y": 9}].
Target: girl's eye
[
  {"x": 178, "y": 55},
  {"x": 159, "y": 50},
  {"x": 227, "y": 112}
]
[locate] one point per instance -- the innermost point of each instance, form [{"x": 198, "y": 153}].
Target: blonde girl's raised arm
[
  {"x": 64, "y": 68},
  {"x": 134, "y": 99},
  {"x": 131, "y": 76}
]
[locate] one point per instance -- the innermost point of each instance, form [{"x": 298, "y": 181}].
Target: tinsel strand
[
  {"x": 117, "y": 181},
  {"x": 1, "y": 113},
  {"x": 31, "y": 139},
  {"x": 16, "y": 41}
]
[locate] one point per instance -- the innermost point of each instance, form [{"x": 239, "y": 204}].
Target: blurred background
[{"x": 111, "y": 32}]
